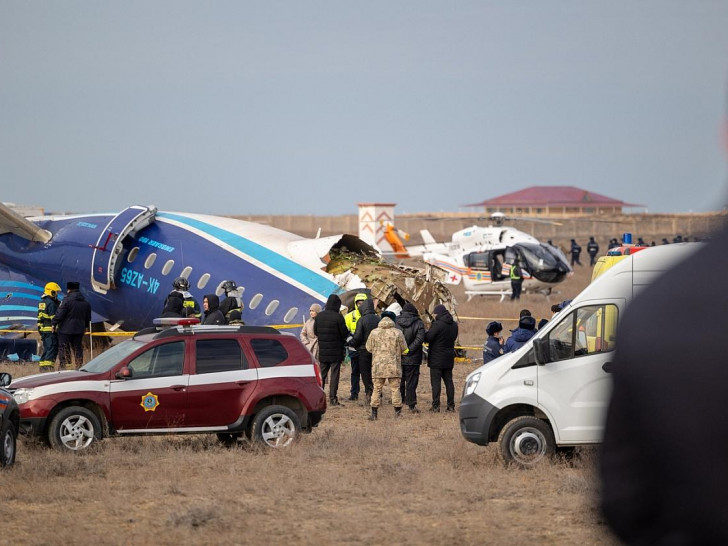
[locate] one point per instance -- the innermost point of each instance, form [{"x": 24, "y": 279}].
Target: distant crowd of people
[{"x": 592, "y": 247}]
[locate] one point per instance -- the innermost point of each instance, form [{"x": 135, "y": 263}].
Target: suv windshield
[{"x": 109, "y": 358}]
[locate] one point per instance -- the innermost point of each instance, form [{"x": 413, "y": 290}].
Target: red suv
[{"x": 228, "y": 380}]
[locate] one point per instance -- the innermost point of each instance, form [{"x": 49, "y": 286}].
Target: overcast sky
[{"x": 308, "y": 107}]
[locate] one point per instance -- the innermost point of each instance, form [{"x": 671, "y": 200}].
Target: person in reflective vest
[
  {"x": 47, "y": 308},
  {"x": 516, "y": 280}
]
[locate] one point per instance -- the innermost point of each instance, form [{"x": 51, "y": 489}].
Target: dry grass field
[{"x": 409, "y": 481}]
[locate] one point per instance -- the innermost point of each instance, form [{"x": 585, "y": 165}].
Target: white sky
[{"x": 308, "y": 107}]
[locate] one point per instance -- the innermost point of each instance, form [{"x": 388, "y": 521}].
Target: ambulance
[{"x": 553, "y": 392}]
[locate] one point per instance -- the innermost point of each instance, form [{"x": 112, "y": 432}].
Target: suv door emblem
[{"x": 150, "y": 401}]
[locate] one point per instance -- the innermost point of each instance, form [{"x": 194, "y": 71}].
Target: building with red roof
[{"x": 554, "y": 200}]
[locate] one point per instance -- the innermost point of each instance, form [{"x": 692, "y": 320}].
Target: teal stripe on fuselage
[
  {"x": 283, "y": 265},
  {"x": 16, "y": 284},
  {"x": 4, "y": 308}
]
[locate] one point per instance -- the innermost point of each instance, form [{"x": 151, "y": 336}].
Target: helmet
[
  {"x": 180, "y": 283},
  {"x": 229, "y": 286},
  {"x": 361, "y": 296},
  {"x": 51, "y": 289}
]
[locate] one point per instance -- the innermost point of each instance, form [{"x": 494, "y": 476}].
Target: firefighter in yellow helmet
[
  {"x": 351, "y": 319},
  {"x": 47, "y": 308}
]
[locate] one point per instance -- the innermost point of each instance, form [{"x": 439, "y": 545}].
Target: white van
[{"x": 553, "y": 392}]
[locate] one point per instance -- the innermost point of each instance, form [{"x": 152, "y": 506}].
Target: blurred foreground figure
[{"x": 664, "y": 468}]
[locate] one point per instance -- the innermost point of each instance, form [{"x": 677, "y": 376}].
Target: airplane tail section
[
  {"x": 12, "y": 222},
  {"x": 427, "y": 237}
]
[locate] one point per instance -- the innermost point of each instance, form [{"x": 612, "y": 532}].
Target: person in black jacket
[
  {"x": 211, "y": 306},
  {"x": 71, "y": 320},
  {"x": 441, "y": 356},
  {"x": 663, "y": 468},
  {"x": 330, "y": 329},
  {"x": 174, "y": 308},
  {"x": 368, "y": 321},
  {"x": 414, "y": 334},
  {"x": 592, "y": 248}
]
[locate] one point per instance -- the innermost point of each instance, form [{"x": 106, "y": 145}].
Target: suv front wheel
[
  {"x": 74, "y": 429},
  {"x": 276, "y": 426}
]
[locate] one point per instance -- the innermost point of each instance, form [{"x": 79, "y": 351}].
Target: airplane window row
[{"x": 254, "y": 302}]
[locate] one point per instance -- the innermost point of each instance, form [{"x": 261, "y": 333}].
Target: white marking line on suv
[
  {"x": 69, "y": 386},
  {"x": 158, "y": 430},
  {"x": 224, "y": 377},
  {"x": 121, "y": 385},
  {"x": 305, "y": 370}
]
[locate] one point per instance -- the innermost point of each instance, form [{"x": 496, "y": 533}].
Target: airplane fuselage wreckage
[{"x": 126, "y": 263}]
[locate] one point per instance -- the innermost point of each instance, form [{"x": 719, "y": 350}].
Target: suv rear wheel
[
  {"x": 276, "y": 426},
  {"x": 74, "y": 429},
  {"x": 8, "y": 444}
]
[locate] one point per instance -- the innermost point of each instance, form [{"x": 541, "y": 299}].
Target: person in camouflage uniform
[{"x": 386, "y": 343}]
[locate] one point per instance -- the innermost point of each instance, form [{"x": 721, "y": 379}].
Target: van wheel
[
  {"x": 525, "y": 441},
  {"x": 74, "y": 429},
  {"x": 8, "y": 443},
  {"x": 276, "y": 426}
]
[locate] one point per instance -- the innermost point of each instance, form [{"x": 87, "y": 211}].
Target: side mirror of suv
[
  {"x": 5, "y": 379},
  {"x": 125, "y": 373},
  {"x": 541, "y": 350}
]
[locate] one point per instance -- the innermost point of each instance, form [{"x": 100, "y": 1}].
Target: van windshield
[{"x": 112, "y": 356}]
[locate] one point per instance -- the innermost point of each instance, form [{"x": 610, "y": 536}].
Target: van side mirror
[
  {"x": 125, "y": 373},
  {"x": 5, "y": 379},
  {"x": 541, "y": 350}
]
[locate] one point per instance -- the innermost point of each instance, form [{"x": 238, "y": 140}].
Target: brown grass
[{"x": 409, "y": 481}]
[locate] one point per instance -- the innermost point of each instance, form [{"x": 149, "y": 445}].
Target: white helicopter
[{"x": 481, "y": 258}]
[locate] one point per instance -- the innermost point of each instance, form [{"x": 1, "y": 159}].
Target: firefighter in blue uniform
[{"x": 47, "y": 308}]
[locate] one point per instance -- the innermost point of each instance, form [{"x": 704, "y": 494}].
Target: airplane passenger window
[
  {"x": 132, "y": 254},
  {"x": 255, "y": 301},
  {"x": 149, "y": 262},
  {"x": 186, "y": 272},
  {"x": 290, "y": 315},
  {"x": 203, "y": 281},
  {"x": 272, "y": 306},
  {"x": 169, "y": 264}
]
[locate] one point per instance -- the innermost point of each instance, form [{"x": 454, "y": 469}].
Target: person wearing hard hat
[{"x": 47, "y": 308}]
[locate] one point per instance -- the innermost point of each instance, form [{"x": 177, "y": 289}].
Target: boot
[
  {"x": 450, "y": 408},
  {"x": 397, "y": 412},
  {"x": 373, "y": 416},
  {"x": 335, "y": 402},
  {"x": 413, "y": 408}
]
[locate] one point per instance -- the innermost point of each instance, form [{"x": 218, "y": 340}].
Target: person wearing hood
[
  {"x": 386, "y": 344},
  {"x": 174, "y": 308},
  {"x": 525, "y": 331},
  {"x": 368, "y": 321},
  {"x": 329, "y": 328},
  {"x": 308, "y": 338},
  {"x": 211, "y": 306},
  {"x": 71, "y": 320},
  {"x": 441, "y": 356},
  {"x": 414, "y": 334}
]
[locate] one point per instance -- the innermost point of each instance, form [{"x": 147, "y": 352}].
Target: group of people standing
[
  {"x": 386, "y": 348},
  {"x": 180, "y": 303},
  {"x": 61, "y": 325}
]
